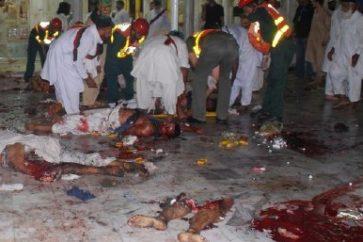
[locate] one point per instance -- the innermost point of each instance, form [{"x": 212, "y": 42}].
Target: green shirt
[{"x": 267, "y": 25}]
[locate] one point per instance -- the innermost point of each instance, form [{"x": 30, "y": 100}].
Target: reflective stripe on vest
[
  {"x": 283, "y": 30},
  {"x": 125, "y": 30},
  {"x": 47, "y": 38},
  {"x": 198, "y": 36}
]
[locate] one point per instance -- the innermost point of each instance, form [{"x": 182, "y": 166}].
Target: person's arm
[
  {"x": 85, "y": 47},
  {"x": 358, "y": 50}
]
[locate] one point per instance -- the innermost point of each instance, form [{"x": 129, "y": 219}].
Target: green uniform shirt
[{"x": 267, "y": 25}]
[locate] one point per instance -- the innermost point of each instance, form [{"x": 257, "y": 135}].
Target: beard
[{"x": 347, "y": 15}]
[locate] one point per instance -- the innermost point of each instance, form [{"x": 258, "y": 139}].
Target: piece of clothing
[
  {"x": 300, "y": 49},
  {"x": 103, "y": 121},
  {"x": 281, "y": 57},
  {"x": 249, "y": 61},
  {"x": 159, "y": 26},
  {"x": 114, "y": 66},
  {"x": 121, "y": 16},
  {"x": 349, "y": 42},
  {"x": 65, "y": 73},
  {"x": 65, "y": 21},
  {"x": 50, "y": 149},
  {"x": 302, "y": 20},
  {"x": 33, "y": 48},
  {"x": 213, "y": 15},
  {"x": 318, "y": 39},
  {"x": 218, "y": 49},
  {"x": 157, "y": 72}
]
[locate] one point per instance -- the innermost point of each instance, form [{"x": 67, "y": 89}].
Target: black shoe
[
  {"x": 192, "y": 120},
  {"x": 221, "y": 121}
]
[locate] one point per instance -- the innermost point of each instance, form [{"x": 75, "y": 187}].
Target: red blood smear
[
  {"x": 313, "y": 221},
  {"x": 83, "y": 126},
  {"x": 207, "y": 205},
  {"x": 38, "y": 168}
]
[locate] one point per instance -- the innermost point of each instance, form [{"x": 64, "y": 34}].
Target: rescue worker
[
  {"x": 65, "y": 67},
  {"x": 165, "y": 78},
  {"x": 41, "y": 36},
  {"x": 272, "y": 35},
  {"x": 209, "y": 50},
  {"x": 346, "y": 65},
  {"x": 119, "y": 57}
]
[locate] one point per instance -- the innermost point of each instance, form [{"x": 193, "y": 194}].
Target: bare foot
[
  {"x": 141, "y": 221},
  {"x": 342, "y": 104},
  {"x": 190, "y": 237},
  {"x": 331, "y": 98}
]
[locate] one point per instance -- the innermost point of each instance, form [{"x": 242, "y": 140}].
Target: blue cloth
[{"x": 80, "y": 194}]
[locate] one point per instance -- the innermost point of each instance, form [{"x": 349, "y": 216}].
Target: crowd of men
[{"x": 146, "y": 66}]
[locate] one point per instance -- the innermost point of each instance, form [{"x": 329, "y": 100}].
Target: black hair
[
  {"x": 64, "y": 8},
  {"x": 177, "y": 129},
  {"x": 177, "y": 34}
]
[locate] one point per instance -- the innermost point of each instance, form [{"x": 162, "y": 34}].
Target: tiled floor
[{"x": 43, "y": 212}]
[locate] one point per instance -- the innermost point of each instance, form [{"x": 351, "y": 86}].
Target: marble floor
[{"x": 317, "y": 159}]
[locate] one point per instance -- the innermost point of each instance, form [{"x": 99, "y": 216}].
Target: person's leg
[
  {"x": 112, "y": 86},
  {"x": 126, "y": 68},
  {"x": 235, "y": 91},
  {"x": 300, "y": 57},
  {"x": 224, "y": 88},
  {"x": 273, "y": 102},
  {"x": 32, "y": 50}
]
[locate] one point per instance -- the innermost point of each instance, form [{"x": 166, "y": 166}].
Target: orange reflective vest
[
  {"x": 198, "y": 36},
  {"x": 283, "y": 30},
  {"x": 42, "y": 33},
  {"x": 129, "y": 48}
]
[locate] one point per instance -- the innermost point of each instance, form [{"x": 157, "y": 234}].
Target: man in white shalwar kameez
[
  {"x": 249, "y": 61},
  {"x": 65, "y": 64},
  {"x": 346, "y": 65},
  {"x": 331, "y": 91},
  {"x": 160, "y": 70},
  {"x": 158, "y": 20}
]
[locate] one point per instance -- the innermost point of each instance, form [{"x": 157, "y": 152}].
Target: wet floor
[{"x": 324, "y": 152}]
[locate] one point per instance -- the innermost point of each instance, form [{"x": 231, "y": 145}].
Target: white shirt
[{"x": 121, "y": 16}]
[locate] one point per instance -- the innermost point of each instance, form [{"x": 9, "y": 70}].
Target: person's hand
[
  {"x": 90, "y": 82},
  {"x": 330, "y": 54},
  {"x": 355, "y": 59}
]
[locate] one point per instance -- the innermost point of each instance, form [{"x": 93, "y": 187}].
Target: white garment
[
  {"x": 157, "y": 72},
  {"x": 249, "y": 61},
  {"x": 102, "y": 120},
  {"x": 349, "y": 41},
  {"x": 65, "y": 74},
  {"x": 161, "y": 25},
  {"x": 65, "y": 21},
  {"x": 330, "y": 87},
  {"x": 121, "y": 16},
  {"x": 50, "y": 149}
]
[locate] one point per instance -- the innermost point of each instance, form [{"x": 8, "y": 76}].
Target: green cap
[{"x": 105, "y": 2}]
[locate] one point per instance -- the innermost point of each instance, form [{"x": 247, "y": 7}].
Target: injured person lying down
[
  {"x": 43, "y": 158},
  {"x": 111, "y": 120}
]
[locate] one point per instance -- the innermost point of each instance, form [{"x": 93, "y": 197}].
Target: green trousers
[
  {"x": 281, "y": 56},
  {"x": 221, "y": 49}
]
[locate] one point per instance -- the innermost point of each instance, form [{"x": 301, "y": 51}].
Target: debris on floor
[
  {"x": 80, "y": 194},
  {"x": 11, "y": 187}
]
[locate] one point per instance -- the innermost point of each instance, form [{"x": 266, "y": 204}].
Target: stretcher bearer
[
  {"x": 270, "y": 33},
  {"x": 40, "y": 37},
  {"x": 119, "y": 57}
]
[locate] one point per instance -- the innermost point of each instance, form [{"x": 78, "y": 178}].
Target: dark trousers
[
  {"x": 281, "y": 56},
  {"x": 33, "y": 48},
  {"x": 300, "y": 57},
  {"x": 112, "y": 70},
  {"x": 217, "y": 49}
]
